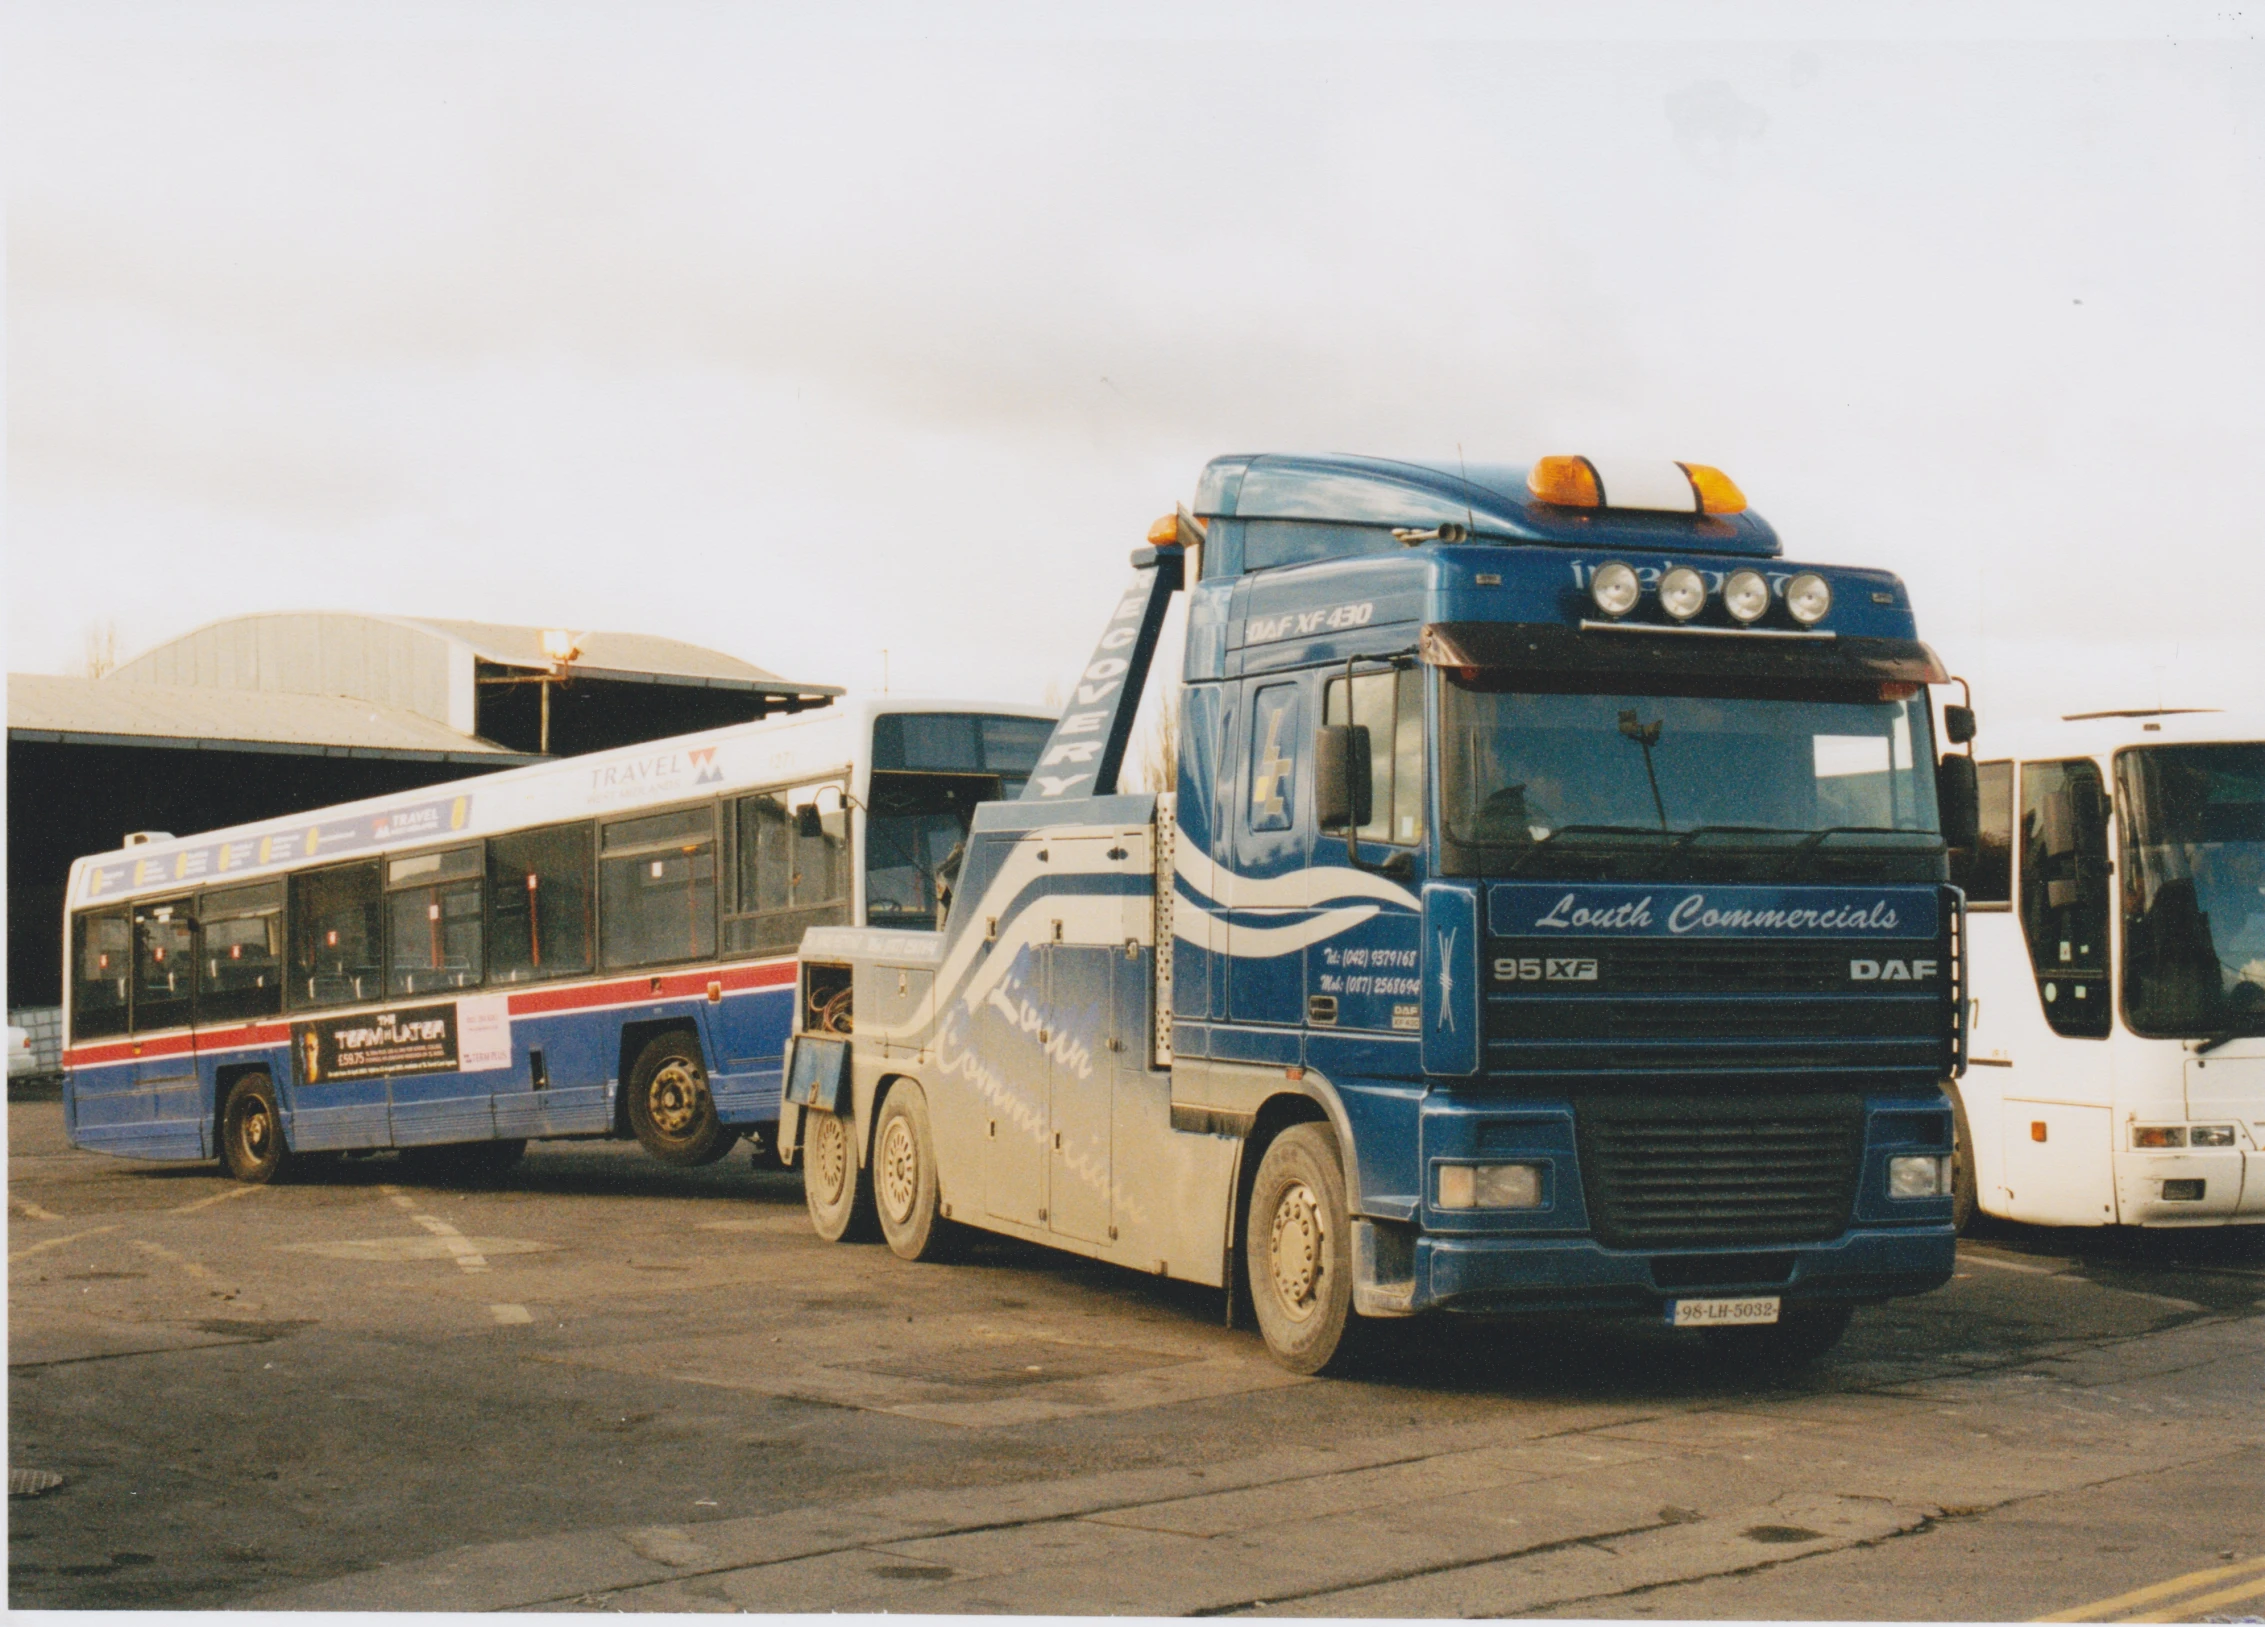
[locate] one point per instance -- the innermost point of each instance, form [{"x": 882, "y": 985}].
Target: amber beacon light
[
  {"x": 1716, "y": 491},
  {"x": 1570, "y": 482},
  {"x": 1675, "y": 488}
]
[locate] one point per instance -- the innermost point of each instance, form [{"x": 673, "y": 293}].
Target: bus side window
[
  {"x": 2064, "y": 893},
  {"x": 337, "y": 948},
  {"x": 241, "y": 953},
  {"x": 1390, "y": 706},
  {"x": 433, "y": 922},
  {"x": 165, "y": 966},
  {"x": 657, "y": 888},
  {"x": 1990, "y": 879},
  {"x": 540, "y": 887},
  {"x": 783, "y": 881},
  {"x": 101, "y": 955}
]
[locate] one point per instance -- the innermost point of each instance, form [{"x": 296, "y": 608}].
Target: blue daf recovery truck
[{"x": 1551, "y": 914}]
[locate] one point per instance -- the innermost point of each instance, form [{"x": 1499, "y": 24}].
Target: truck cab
[{"x": 1551, "y": 913}]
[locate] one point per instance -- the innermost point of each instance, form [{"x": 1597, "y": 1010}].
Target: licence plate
[{"x": 1722, "y": 1313}]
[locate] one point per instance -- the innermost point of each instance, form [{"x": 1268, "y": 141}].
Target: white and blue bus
[{"x": 598, "y": 946}]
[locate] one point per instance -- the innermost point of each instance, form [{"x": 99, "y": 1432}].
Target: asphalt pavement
[{"x": 603, "y": 1384}]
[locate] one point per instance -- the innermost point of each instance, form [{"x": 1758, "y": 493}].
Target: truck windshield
[
  {"x": 1590, "y": 784},
  {"x": 2193, "y": 875}
]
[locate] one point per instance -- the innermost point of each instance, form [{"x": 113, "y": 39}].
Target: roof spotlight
[
  {"x": 1614, "y": 588},
  {"x": 1682, "y": 593},
  {"x": 1808, "y": 597},
  {"x": 1746, "y": 595}
]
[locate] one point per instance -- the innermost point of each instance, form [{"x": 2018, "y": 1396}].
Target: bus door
[
  {"x": 165, "y": 987},
  {"x": 434, "y": 955},
  {"x": 105, "y": 1100},
  {"x": 2056, "y": 1117},
  {"x": 337, "y": 960}
]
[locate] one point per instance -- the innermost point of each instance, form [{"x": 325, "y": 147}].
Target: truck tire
[
  {"x": 670, "y": 1108},
  {"x": 1964, "y": 1194},
  {"x": 251, "y": 1132},
  {"x": 1298, "y": 1252},
  {"x": 906, "y": 1196},
  {"x": 839, "y": 1194}
]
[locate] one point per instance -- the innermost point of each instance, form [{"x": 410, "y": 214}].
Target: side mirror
[
  {"x": 1958, "y": 724},
  {"x": 1959, "y": 792},
  {"x": 1341, "y": 773},
  {"x": 807, "y": 823}
]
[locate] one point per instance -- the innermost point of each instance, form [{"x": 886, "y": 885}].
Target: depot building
[{"x": 258, "y": 716}]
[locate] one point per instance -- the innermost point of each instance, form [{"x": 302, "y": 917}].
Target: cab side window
[
  {"x": 1390, "y": 706},
  {"x": 1274, "y": 758},
  {"x": 2064, "y": 893},
  {"x": 1990, "y": 878}
]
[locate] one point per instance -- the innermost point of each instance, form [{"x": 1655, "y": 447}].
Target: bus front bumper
[{"x": 1496, "y": 1274}]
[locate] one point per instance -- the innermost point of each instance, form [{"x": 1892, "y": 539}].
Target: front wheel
[
  {"x": 905, "y": 1192},
  {"x": 251, "y": 1132},
  {"x": 1299, "y": 1251},
  {"x": 838, "y": 1193},
  {"x": 670, "y": 1108}
]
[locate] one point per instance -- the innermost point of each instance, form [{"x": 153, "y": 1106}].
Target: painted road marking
[
  {"x": 2069, "y": 1276},
  {"x": 33, "y": 1210},
  {"x": 466, "y": 1255},
  {"x": 56, "y": 1242},
  {"x": 218, "y": 1197},
  {"x": 1969, "y": 1257},
  {"x": 510, "y": 1316},
  {"x": 2247, "y": 1577},
  {"x": 170, "y": 1258}
]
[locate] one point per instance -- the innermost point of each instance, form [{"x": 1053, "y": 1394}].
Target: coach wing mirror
[
  {"x": 1958, "y": 725},
  {"x": 1960, "y": 794},
  {"x": 808, "y": 824},
  {"x": 1341, "y": 772}
]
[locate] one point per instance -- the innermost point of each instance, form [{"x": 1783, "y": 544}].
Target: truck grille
[{"x": 1695, "y": 1172}]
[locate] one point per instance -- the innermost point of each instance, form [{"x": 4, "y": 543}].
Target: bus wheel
[
  {"x": 669, "y": 1105},
  {"x": 1299, "y": 1251},
  {"x": 1801, "y": 1334},
  {"x": 1963, "y": 1194},
  {"x": 904, "y": 1177},
  {"x": 839, "y": 1194},
  {"x": 251, "y": 1132}
]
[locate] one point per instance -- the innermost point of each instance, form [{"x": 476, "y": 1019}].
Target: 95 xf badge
[{"x": 1545, "y": 969}]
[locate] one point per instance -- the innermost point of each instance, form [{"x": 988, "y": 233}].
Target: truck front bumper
[{"x": 1498, "y": 1274}]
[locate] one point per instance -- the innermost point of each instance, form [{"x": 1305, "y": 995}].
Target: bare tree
[
  {"x": 101, "y": 647},
  {"x": 1158, "y": 763}
]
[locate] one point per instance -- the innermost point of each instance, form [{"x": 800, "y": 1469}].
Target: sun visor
[{"x": 1558, "y": 653}]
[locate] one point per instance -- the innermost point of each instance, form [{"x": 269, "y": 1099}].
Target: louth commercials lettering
[{"x": 1523, "y": 909}]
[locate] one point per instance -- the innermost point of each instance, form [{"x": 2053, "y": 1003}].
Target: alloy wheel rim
[
  {"x": 900, "y": 1170},
  {"x": 829, "y": 1156},
  {"x": 1295, "y": 1252}
]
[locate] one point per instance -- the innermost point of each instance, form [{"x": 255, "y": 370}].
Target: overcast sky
[{"x": 804, "y": 342}]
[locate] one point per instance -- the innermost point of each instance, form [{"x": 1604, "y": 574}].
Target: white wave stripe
[
  {"x": 1267, "y": 942},
  {"x": 1314, "y": 887}
]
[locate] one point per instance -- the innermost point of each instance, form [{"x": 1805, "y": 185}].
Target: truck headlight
[
  {"x": 2158, "y": 1135},
  {"x": 1490, "y": 1186},
  {"x": 1615, "y": 588},
  {"x": 1682, "y": 593},
  {"x": 1809, "y": 597},
  {"x": 2210, "y": 1135},
  {"x": 1746, "y": 595},
  {"x": 1927, "y": 1177}
]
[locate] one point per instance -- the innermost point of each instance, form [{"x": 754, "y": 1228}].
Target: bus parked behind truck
[{"x": 598, "y": 946}]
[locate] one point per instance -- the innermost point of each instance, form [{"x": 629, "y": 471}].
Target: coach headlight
[
  {"x": 1615, "y": 588},
  {"x": 1809, "y": 597},
  {"x": 1746, "y": 595},
  {"x": 1682, "y": 593}
]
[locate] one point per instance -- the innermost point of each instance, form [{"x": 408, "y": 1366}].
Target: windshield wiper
[
  {"x": 2244, "y": 1031},
  {"x": 1645, "y": 832}
]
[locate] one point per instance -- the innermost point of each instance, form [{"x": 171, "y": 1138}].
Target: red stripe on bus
[{"x": 534, "y": 1002}]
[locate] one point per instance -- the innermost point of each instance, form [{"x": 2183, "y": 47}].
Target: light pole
[{"x": 559, "y": 645}]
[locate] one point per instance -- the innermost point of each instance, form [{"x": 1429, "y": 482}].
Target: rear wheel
[
  {"x": 838, "y": 1193},
  {"x": 251, "y": 1131},
  {"x": 1299, "y": 1251},
  {"x": 1800, "y": 1335},
  {"x": 669, "y": 1105},
  {"x": 904, "y": 1177}
]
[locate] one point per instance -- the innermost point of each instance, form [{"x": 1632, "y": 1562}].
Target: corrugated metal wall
[{"x": 315, "y": 654}]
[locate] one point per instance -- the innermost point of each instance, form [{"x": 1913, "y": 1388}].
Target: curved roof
[{"x": 104, "y": 711}]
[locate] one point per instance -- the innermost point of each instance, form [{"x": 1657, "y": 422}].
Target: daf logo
[{"x": 1890, "y": 971}]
